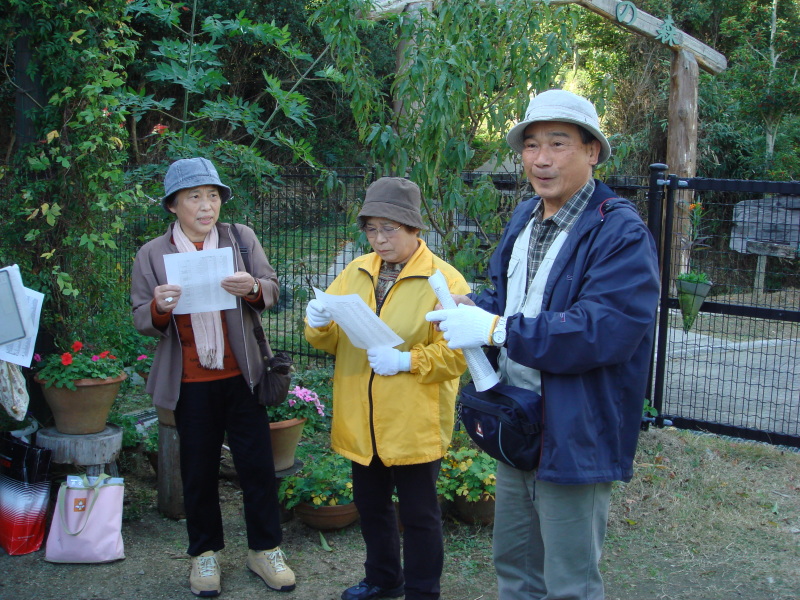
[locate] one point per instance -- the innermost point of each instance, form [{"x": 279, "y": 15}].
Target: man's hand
[
  {"x": 464, "y": 327},
  {"x": 316, "y": 314},
  {"x": 386, "y": 360}
]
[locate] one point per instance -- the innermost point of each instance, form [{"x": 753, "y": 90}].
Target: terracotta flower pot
[
  {"x": 475, "y": 513},
  {"x": 326, "y": 517},
  {"x": 285, "y": 436},
  {"x": 85, "y": 409}
]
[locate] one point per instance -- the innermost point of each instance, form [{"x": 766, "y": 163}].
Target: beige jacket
[{"x": 149, "y": 271}]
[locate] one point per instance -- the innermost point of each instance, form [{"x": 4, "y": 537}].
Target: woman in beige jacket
[{"x": 205, "y": 369}]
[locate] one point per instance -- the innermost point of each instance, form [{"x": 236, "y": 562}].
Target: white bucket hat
[{"x": 560, "y": 105}]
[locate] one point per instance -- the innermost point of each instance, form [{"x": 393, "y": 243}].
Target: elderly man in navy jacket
[{"x": 570, "y": 315}]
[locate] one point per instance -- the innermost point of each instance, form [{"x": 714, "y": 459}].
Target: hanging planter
[{"x": 692, "y": 290}]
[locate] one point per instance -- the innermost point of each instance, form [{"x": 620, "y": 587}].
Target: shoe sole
[
  {"x": 206, "y": 593},
  {"x": 285, "y": 588},
  {"x": 390, "y": 594}
]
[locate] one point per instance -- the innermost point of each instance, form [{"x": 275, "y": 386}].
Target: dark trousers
[
  {"x": 206, "y": 411},
  {"x": 420, "y": 514}
]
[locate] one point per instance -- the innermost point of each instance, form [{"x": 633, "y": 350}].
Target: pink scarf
[{"x": 207, "y": 326}]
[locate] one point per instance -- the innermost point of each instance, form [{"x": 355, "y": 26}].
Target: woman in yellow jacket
[{"x": 393, "y": 408}]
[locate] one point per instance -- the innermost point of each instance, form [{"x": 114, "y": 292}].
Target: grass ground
[{"x": 704, "y": 518}]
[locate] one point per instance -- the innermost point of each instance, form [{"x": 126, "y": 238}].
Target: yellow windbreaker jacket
[{"x": 407, "y": 418}]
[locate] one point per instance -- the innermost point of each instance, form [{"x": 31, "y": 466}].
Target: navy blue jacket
[{"x": 592, "y": 342}]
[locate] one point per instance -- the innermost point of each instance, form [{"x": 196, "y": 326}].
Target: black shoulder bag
[
  {"x": 273, "y": 387},
  {"x": 505, "y": 421}
]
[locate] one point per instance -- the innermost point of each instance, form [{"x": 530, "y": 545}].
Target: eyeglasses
[{"x": 386, "y": 230}]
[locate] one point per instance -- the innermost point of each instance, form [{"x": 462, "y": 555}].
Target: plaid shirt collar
[{"x": 566, "y": 216}]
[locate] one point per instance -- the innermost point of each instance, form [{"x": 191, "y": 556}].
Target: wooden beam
[
  {"x": 682, "y": 148},
  {"x": 682, "y": 115},
  {"x": 624, "y": 14}
]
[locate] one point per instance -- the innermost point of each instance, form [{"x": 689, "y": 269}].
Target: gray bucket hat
[
  {"x": 189, "y": 173},
  {"x": 393, "y": 198},
  {"x": 560, "y": 105}
]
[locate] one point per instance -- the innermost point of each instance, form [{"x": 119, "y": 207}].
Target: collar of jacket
[{"x": 418, "y": 264}]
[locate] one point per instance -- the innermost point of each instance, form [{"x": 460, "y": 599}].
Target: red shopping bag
[{"x": 24, "y": 495}]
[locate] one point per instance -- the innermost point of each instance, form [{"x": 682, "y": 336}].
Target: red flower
[
  {"x": 104, "y": 354},
  {"x": 66, "y": 358},
  {"x": 112, "y": 357},
  {"x": 77, "y": 346},
  {"x": 160, "y": 129}
]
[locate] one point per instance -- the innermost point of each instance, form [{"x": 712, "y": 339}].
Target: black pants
[
  {"x": 420, "y": 514},
  {"x": 205, "y": 413}
]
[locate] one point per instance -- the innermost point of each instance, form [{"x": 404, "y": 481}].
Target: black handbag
[
  {"x": 273, "y": 387},
  {"x": 505, "y": 422}
]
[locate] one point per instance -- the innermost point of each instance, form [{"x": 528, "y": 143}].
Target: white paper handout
[
  {"x": 15, "y": 320},
  {"x": 20, "y": 352},
  {"x": 362, "y": 326},
  {"x": 483, "y": 375},
  {"x": 199, "y": 274}
]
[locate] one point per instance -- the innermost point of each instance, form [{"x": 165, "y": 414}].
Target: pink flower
[
  {"x": 95, "y": 358},
  {"x": 142, "y": 357},
  {"x": 37, "y": 357}
]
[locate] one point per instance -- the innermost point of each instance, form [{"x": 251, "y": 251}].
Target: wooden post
[
  {"x": 763, "y": 250},
  {"x": 170, "y": 485},
  {"x": 682, "y": 147}
]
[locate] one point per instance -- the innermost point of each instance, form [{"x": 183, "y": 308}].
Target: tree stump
[{"x": 97, "y": 452}]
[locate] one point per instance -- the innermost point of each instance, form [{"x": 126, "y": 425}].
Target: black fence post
[
  {"x": 655, "y": 215},
  {"x": 663, "y": 314}
]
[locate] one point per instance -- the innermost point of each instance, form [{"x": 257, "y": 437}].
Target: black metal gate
[{"x": 734, "y": 371}]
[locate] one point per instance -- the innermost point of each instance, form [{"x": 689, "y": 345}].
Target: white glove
[
  {"x": 316, "y": 314},
  {"x": 386, "y": 360},
  {"x": 464, "y": 327}
]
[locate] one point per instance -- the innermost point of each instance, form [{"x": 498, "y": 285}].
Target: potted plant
[
  {"x": 693, "y": 285},
  {"x": 467, "y": 478},
  {"x": 287, "y": 420},
  {"x": 321, "y": 493},
  {"x": 143, "y": 364},
  {"x": 79, "y": 386}
]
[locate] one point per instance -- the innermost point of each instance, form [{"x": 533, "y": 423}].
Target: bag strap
[
  {"x": 258, "y": 330},
  {"x": 62, "y": 502}
]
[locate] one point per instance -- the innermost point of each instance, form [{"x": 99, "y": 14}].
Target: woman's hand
[
  {"x": 239, "y": 284},
  {"x": 166, "y": 297}
]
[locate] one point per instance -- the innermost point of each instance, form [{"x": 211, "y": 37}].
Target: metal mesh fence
[{"x": 736, "y": 366}]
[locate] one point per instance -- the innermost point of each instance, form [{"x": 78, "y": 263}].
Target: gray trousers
[{"x": 548, "y": 537}]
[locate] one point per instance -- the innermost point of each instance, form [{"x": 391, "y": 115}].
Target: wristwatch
[
  {"x": 254, "y": 291},
  {"x": 499, "y": 333}
]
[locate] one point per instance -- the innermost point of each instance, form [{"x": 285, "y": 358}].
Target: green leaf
[{"x": 324, "y": 543}]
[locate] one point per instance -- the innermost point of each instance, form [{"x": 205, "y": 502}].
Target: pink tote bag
[{"x": 87, "y": 522}]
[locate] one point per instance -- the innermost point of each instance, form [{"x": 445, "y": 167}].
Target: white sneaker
[
  {"x": 271, "y": 566},
  {"x": 205, "y": 577}
]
